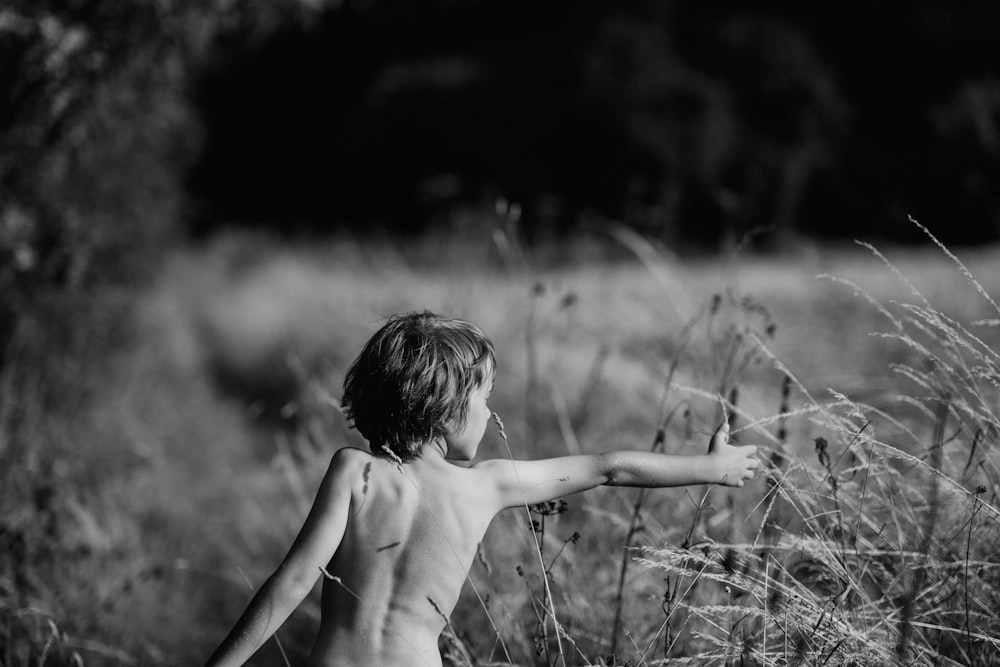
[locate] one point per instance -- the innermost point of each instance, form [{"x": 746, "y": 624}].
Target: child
[{"x": 395, "y": 530}]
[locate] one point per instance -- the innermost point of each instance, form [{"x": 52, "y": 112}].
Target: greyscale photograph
[{"x": 467, "y": 333}]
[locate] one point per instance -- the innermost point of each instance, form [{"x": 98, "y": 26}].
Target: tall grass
[
  {"x": 871, "y": 539},
  {"x": 886, "y": 548},
  {"x": 870, "y": 542}
]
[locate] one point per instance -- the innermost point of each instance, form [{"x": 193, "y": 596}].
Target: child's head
[{"x": 411, "y": 382}]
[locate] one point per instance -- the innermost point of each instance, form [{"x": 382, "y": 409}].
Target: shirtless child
[{"x": 396, "y": 529}]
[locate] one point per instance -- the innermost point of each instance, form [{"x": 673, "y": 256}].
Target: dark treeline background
[{"x": 125, "y": 124}]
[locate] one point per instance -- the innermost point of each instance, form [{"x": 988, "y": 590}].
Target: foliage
[{"x": 94, "y": 139}]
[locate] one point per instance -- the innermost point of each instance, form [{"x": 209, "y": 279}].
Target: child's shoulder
[
  {"x": 351, "y": 460},
  {"x": 350, "y": 457},
  {"x": 351, "y": 467}
]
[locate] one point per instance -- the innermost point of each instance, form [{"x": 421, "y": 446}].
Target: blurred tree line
[
  {"x": 126, "y": 125},
  {"x": 96, "y": 135}
]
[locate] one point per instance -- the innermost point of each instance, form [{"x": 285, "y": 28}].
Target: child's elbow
[{"x": 293, "y": 584}]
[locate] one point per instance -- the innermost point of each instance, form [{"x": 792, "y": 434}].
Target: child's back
[{"x": 410, "y": 538}]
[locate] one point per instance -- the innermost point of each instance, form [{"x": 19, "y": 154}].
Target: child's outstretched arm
[
  {"x": 284, "y": 590},
  {"x": 530, "y": 482}
]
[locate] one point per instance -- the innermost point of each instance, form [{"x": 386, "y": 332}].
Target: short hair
[{"x": 411, "y": 382}]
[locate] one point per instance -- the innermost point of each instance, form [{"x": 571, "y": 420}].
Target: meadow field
[{"x": 171, "y": 470}]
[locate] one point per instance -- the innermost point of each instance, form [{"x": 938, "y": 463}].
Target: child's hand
[{"x": 733, "y": 464}]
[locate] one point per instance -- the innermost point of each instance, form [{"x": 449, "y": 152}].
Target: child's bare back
[{"x": 410, "y": 538}]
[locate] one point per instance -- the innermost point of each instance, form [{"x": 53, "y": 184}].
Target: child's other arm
[
  {"x": 530, "y": 482},
  {"x": 295, "y": 577}
]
